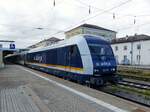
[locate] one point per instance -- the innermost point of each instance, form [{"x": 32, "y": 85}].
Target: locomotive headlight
[
  {"x": 96, "y": 70},
  {"x": 113, "y": 69}
]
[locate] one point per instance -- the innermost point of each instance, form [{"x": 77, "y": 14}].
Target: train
[{"x": 82, "y": 58}]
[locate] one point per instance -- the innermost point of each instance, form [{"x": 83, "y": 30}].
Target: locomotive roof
[{"x": 71, "y": 41}]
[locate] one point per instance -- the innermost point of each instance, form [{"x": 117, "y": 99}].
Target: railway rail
[
  {"x": 126, "y": 97},
  {"x": 129, "y": 96},
  {"x": 135, "y": 84}
]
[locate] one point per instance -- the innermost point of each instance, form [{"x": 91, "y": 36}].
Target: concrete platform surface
[{"x": 26, "y": 90}]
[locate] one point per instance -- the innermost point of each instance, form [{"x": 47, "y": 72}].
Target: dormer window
[
  {"x": 116, "y": 48},
  {"x": 139, "y": 46},
  {"x": 125, "y": 47}
]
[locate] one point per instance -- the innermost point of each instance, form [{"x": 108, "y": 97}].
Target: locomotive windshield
[{"x": 101, "y": 50}]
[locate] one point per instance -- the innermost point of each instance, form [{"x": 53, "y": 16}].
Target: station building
[
  {"x": 132, "y": 50},
  {"x": 93, "y": 30},
  {"x": 82, "y": 29}
]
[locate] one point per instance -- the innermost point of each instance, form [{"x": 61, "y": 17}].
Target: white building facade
[{"x": 133, "y": 50}]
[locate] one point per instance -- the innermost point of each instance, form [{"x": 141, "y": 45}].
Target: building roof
[
  {"x": 134, "y": 38},
  {"x": 7, "y": 41},
  {"x": 52, "y": 39},
  {"x": 92, "y": 26}
]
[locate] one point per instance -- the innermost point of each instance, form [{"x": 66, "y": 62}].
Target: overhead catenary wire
[
  {"x": 131, "y": 26},
  {"x": 101, "y": 11},
  {"x": 117, "y": 6},
  {"x": 115, "y": 15},
  {"x": 91, "y": 17},
  {"x": 109, "y": 12}
]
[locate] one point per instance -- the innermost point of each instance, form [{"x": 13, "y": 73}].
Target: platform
[{"x": 26, "y": 90}]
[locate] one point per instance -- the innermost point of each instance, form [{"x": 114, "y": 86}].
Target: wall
[
  {"x": 84, "y": 30},
  {"x": 107, "y": 34},
  {"x": 144, "y": 52},
  {"x": 1, "y": 59},
  {"x": 120, "y": 53},
  {"x": 140, "y": 56},
  {"x": 73, "y": 32}
]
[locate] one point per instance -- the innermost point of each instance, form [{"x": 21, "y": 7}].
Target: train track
[
  {"x": 130, "y": 96},
  {"x": 135, "y": 84},
  {"x": 127, "y": 97}
]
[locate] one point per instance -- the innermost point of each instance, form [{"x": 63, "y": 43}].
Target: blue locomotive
[{"x": 83, "y": 58}]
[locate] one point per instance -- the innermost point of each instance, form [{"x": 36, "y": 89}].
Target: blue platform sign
[{"x": 12, "y": 46}]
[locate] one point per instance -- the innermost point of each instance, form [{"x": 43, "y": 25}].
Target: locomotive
[{"x": 82, "y": 58}]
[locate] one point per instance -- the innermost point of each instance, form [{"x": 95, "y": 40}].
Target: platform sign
[{"x": 12, "y": 46}]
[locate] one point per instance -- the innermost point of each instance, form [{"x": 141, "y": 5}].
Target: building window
[
  {"x": 116, "y": 48},
  {"x": 117, "y": 60},
  {"x": 103, "y": 35},
  {"x": 139, "y": 46},
  {"x": 125, "y": 47},
  {"x": 125, "y": 60},
  {"x": 125, "y": 57},
  {"x": 138, "y": 58}
]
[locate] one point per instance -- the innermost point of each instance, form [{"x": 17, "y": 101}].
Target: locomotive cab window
[
  {"x": 97, "y": 49},
  {"x": 71, "y": 50}
]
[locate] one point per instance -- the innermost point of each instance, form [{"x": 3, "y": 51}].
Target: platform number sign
[{"x": 12, "y": 46}]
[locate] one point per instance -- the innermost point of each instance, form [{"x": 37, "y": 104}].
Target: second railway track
[{"x": 135, "y": 84}]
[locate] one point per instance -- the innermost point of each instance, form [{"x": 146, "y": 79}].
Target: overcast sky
[{"x": 20, "y": 19}]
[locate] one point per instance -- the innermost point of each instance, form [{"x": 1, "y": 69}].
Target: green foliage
[{"x": 138, "y": 74}]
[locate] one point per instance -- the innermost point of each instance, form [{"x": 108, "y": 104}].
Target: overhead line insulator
[
  {"x": 89, "y": 9},
  {"x": 54, "y": 3}
]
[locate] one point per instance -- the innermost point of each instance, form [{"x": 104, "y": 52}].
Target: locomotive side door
[
  {"x": 70, "y": 57},
  {"x": 66, "y": 61},
  {"x": 68, "y": 52}
]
